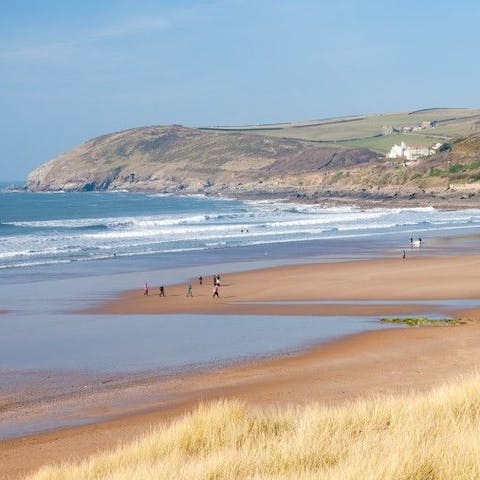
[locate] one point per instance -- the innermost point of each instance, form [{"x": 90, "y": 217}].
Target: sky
[{"x": 74, "y": 70}]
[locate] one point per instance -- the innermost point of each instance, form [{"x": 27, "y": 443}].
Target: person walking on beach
[
  {"x": 404, "y": 254},
  {"x": 189, "y": 291},
  {"x": 215, "y": 292},
  {"x": 162, "y": 291},
  {"x": 145, "y": 289},
  {"x": 200, "y": 280}
]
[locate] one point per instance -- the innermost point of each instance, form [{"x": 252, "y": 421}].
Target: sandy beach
[
  {"x": 371, "y": 363},
  {"x": 415, "y": 278}
]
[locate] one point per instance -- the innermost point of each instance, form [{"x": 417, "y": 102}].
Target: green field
[
  {"x": 384, "y": 143},
  {"x": 366, "y": 131}
]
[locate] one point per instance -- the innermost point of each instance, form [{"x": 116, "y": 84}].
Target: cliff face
[{"x": 174, "y": 158}]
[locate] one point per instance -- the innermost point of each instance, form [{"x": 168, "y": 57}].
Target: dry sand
[{"x": 389, "y": 361}]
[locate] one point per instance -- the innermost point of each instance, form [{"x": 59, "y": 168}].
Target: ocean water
[{"x": 54, "y": 228}]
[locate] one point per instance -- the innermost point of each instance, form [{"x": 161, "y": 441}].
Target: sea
[
  {"x": 40, "y": 229},
  {"x": 62, "y": 251}
]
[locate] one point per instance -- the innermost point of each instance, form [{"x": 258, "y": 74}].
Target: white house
[
  {"x": 397, "y": 151},
  {"x": 411, "y": 152},
  {"x": 414, "y": 152}
]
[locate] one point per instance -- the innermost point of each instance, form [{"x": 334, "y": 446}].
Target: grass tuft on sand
[
  {"x": 428, "y": 436},
  {"x": 421, "y": 321}
]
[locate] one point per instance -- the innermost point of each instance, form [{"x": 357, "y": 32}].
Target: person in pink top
[{"x": 145, "y": 289}]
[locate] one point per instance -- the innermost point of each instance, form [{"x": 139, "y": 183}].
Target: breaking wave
[{"x": 39, "y": 229}]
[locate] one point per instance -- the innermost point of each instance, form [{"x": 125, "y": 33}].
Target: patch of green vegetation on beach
[{"x": 420, "y": 321}]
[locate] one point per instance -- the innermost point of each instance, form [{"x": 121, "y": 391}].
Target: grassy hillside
[
  {"x": 383, "y": 143},
  {"x": 175, "y": 158},
  {"x": 364, "y": 131},
  {"x": 432, "y": 436}
]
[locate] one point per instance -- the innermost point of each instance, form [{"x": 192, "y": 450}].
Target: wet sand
[
  {"x": 379, "y": 362},
  {"x": 420, "y": 278}
]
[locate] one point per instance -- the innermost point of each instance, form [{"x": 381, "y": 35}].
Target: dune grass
[{"x": 428, "y": 436}]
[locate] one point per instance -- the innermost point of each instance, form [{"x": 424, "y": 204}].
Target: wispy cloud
[
  {"x": 128, "y": 27},
  {"x": 38, "y": 52},
  {"x": 135, "y": 26}
]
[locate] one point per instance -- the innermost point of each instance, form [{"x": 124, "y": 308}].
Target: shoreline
[
  {"x": 412, "y": 198},
  {"x": 442, "y": 199},
  {"x": 378, "y": 362}
]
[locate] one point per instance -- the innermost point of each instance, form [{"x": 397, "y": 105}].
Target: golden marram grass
[{"x": 428, "y": 436}]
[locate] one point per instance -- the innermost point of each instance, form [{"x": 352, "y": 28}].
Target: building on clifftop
[{"x": 412, "y": 152}]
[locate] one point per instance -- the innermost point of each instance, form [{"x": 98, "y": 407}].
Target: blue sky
[{"x": 73, "y": 70}]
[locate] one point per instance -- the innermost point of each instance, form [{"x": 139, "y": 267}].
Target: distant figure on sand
[
  {"x": 200, "y": 279},
  {"x": 145, "y": 289},
  {"x": 189, "y": 291},
  {"x": 404, "y": 254},
  {"x": 215, "y": 291},
  {"x": 162, "y": 291}
]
